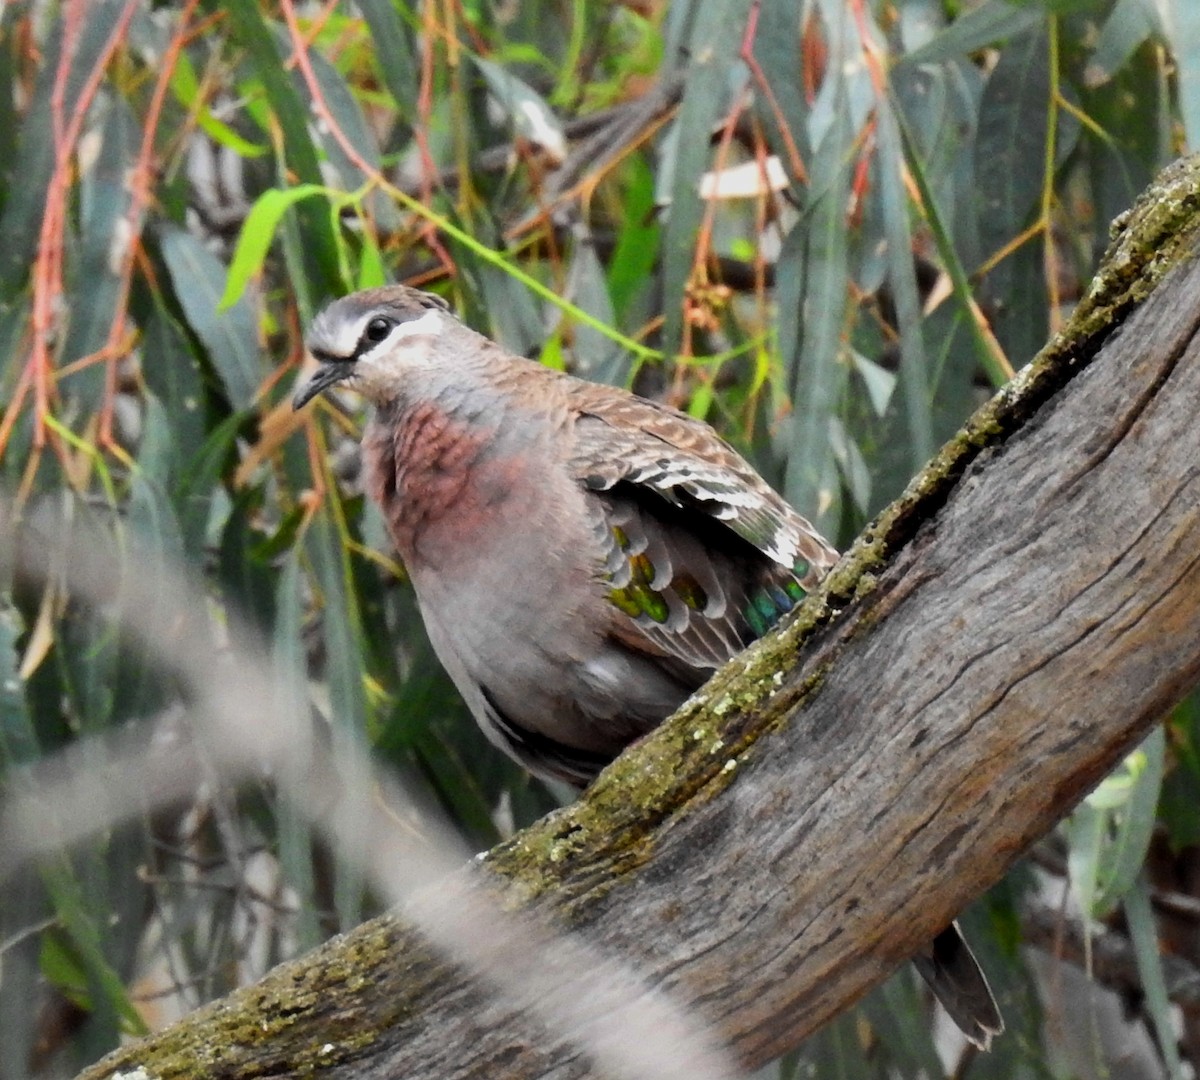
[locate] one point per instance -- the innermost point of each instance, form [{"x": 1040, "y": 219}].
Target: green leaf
[
  {"x": 394, "y": 52},
  {"x": 1179, "y": 804},
  {"x": 229, "y": 334},
  {"x": 785, "y": 113},
  {"x": 296, "y": 852},
  {"x": 853, "y": 469},
  {"x": 916, "y": 378},
  {"x": 878, "y": 380},
  {"x": 10, "y": 120},
  {"x": 811, "y": 298},
  {"x": 289, "y": 111},
  {"x": 172, "y": 373},
  {"x": 531, "y": 117},
  {"x": 897, "y": 1015},
  {"x": 1144, "y": 934},
  {"x": 1010, "y": 167},
  {"x": 1109, "y": 832},
  {"x": 257, "y": 233},
  {"x": 347, "y": 116},
  {"x": 186, "y": 89},
  {"x": 629, "y": 269},
  {"x": 992, "y": 22},
  {"x": 596, "y": 357},
  {"x": 985, "y": 356},
  {"x": 1129, "y": 24},
  {"x": 64, "y": 970},
  {"x": 371, "y": 271},
  {"x": 1128, "y": 146},
  {"x": 1011, "y": 141},
  {"x": 713, "y": 44},
  {"x": 1135, "y": 818},
  {"x": 197, "y": 489},
  {"x": 26, "y": 200},
  {"x": 247, "y": 580},
  {"x": 348, "y": 709},
  {"x": 508, "y": 312},
  {"x": 85, "y": 971},
  {"x": 93, "y": 262}
]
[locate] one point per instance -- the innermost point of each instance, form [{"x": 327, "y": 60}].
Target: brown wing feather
[
  {"x": 702, "y": 554},
  {"x": 620, "y": 437}
]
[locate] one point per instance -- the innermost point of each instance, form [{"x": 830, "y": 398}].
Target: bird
[{"x": 583, "y": 558}]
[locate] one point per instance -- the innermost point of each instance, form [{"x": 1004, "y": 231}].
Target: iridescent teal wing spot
[
  {"x": 783, "y": 603},
  {"x": 770, "y": 602},
  {"x": 764, "y": 603},
  {"x": 758, "y": 625}
]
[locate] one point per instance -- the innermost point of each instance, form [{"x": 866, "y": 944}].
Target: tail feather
[{"x": 956, "y": 980}]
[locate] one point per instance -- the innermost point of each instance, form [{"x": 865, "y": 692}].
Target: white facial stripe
[
  {"x": 409, "y": 348},
  {"x": 346, "y": 339},
  {"x": 429, "y": 323}
]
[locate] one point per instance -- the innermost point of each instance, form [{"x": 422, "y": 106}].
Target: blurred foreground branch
[{"x": 991, "y": 647}]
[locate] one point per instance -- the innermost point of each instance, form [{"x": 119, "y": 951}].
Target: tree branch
[{"x": 989, "y": 649}]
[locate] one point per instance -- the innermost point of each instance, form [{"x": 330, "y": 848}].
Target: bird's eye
[{"x": 378, "y": 328}]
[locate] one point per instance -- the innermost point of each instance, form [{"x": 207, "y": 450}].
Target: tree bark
[{"x": 990, "y": 648}]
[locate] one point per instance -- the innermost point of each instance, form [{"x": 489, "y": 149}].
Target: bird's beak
[{"x": 327, "y": 374}]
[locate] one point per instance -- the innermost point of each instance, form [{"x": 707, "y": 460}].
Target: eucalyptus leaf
[
  {"x": 596, "y": 357},
  {"x": 988, "y": 23},
  {"x": 531, "y": 117},
  {"x": 229, "y": 334},
  {"x": 104, "y": 239},
  {"x": 344, "y": 646},
  {"x": 395, "y": 51},
  {"x": 251, "y": 30},
  {"x": 1143, "y": 931},
  {"x": 712, "y": 46},
  {"x": 18, "y": 739},
  {"x": 1128, "y": 25},
  {"x": 1185, "y": 40}
]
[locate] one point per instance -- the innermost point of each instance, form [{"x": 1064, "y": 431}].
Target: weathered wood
[{"x": 998, "y": 640}]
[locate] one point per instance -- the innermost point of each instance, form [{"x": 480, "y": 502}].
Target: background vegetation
[{"x": 829, "y": 227}]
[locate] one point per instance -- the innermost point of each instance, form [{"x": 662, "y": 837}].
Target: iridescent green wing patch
[{"x": 637, "y": 595}]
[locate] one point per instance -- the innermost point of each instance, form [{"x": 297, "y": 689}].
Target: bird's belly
[
  {"x": 512, "y": 614},
  {"x": 526, "y": 641}
]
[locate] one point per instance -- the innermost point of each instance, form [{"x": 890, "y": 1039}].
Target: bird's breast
[{"x": 447, "y": 485}]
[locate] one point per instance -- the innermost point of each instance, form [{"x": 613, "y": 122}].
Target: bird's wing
[
  {"x": 539, "y": 753},
  {"x": 702, "y": 554}
]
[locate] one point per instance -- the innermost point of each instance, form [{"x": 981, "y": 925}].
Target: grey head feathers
[{"x": 367, "y": 336}]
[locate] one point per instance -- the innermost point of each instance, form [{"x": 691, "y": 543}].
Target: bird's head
[{"x": 372, "y": 340}]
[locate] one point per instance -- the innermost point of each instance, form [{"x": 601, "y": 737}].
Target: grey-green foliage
[{"x": 911, "y": 194}]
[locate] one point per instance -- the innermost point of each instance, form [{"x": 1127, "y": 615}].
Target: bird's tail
[{"x": 956, "y": 980}]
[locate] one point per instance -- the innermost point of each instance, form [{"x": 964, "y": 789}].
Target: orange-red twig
[
  {"x": 139, "y": 198},
  {"x": 763, "y": 85},
  {"x": 325, "y": 114},
  {"x": 48, "y": 265}
]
